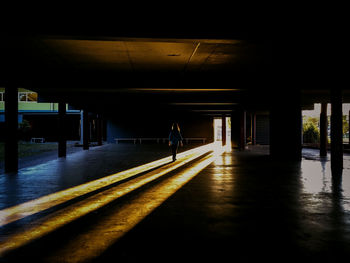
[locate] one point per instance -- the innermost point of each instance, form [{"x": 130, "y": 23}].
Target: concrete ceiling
[
  {"x": 151, "y": 55},
  {"x": 65, "y": 58},
  {"x": 103, "y": 72},
  {"x": 198, "y": 75}
]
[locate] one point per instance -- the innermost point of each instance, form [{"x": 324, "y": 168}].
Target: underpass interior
[{"x": 221, "y": 198}]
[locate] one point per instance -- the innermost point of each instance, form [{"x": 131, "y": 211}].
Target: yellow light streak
[
  {"x": 66, "y": 215},
  {"x": 180, "y": 90},
  {"x": 20, "y": 211},
  {"x": 92, "y": 243}
]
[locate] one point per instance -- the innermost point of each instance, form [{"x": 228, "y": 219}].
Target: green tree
[
  {"x": 345, "y": 125},
  {"x": 24, "y": 130},
  {"x": 311, "y": 133}
]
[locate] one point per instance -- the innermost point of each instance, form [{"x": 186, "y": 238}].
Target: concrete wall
[{"x": 138, "y": 127}]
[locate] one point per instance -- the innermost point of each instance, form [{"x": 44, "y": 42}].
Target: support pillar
[
  {"x": 86, "y": 130},
  {"x": 253, "y": 128},
  {"x": 62, "y": 140},
  {"x": 99, "y": 129},
  {"x": 223, "y": 130},
  {"x": 286, "y": 127},
  {"x": 243, "y": 130},
  {"x": 81, "y": 127},
  {"x": 238, "y": 129},
  {"x": 11, "y": 129},
  {"x": 336, "y": 132},
  {"x": 323, "y": 130},
  {"x": 235, "y": 130}
]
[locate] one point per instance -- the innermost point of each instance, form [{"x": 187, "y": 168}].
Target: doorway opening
[{"x": 218, "y": 130}]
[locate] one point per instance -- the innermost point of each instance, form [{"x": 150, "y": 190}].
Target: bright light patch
[
  {"x": 55, "y": 220},
  {"x": 92, "y": 243},
  {"x": 20, "y": 211}
]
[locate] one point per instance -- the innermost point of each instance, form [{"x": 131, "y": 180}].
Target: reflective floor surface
[
  {"x": 77, "y": 168},
  {"x": 237, "y": 206}
]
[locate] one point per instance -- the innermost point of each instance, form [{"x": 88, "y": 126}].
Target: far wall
[{"x": 133, "y": 127}]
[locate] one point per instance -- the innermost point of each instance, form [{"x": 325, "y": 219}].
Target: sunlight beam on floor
[
  {"x": 109, "y": 229},
  {"x": 55, "y": 220},
  {"x": 20, "y": 211}
]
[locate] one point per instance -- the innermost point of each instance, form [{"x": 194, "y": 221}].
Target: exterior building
[{"x": 39, "y": 119}]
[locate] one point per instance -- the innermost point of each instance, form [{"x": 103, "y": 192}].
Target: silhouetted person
[{"x": 174, "y": 139}]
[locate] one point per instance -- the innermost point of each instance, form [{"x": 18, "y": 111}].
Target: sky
[{"x": 317, "y": 110}]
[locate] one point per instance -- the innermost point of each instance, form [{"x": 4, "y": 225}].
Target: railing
[{"x": 158, "y": 140}]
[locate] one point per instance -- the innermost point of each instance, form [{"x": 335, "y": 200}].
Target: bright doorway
[{"x": 218, "y": 130}]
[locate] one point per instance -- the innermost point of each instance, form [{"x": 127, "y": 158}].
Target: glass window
[
  {"x": 32, "y": 96},
  {"x": 28, "y": 96},
  {"x": 22, "y": 96}
]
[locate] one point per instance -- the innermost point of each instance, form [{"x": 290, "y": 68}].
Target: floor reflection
[
  {"x": 313, "y": 181},
  {"x": 325, "y": 203},
  {"x": 319, "y": 181}
]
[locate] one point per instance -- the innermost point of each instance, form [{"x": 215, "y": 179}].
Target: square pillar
[
  {"x": 286, "y": 127},
  {"x": 11, "y": 129},
  {"x": 99, "y": 131},
  {"x": 323, "y": 130},
  {"x": 235, "y": 129},
  {"x": 238, "y": 129},
  {"x": 336, "y": 132},
  {"x": 62, "y": 140},
  {"x": 223, "y": 129},
  {"x": 242, "y": 130},
  {"x": 81, "y": 128},
  {"x": 253, "y": 128},
  {"x": 86, "y": 130}
]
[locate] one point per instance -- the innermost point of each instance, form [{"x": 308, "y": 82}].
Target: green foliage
[
  {"x": 24, "y": 126},
  {"x": 345, "y": 125},
  {"x": 311, "y": 133},
  {"x": 24, "y": 130}
]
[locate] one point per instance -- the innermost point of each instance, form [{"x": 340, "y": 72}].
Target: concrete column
[
  {"x": 99, "y": 129},
  {"x": 323, "y": 130},
  {"x": 11, "y": 129},
  {"x": 223, "y": 129},
  {"x": 238, "y": 129},
  {"x": 235, "y": 129},
  {"x": 81, "y": 127},
  {"x": 86, "y": 130},
  {"x": 336, "y": 132},
  {"x": 253, "y": 128},
  {"x": 285, "y": 127},
  {"x": 62, "y": 140},
  {"x": 243, "y": 130}
]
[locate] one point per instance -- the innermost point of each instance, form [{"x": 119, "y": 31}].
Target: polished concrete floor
[
  {"x": 37, "y": 155},
  {"x": 56, "y": 174},
  {"x": 237, "y": 206}
]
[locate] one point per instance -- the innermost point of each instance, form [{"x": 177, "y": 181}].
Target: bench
[
  {"x": 158, "y": 140},
  {"x": 37, "y": 140},
  {"x": 125, "y": 139},
  {"x": 153, "y": 139}
]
